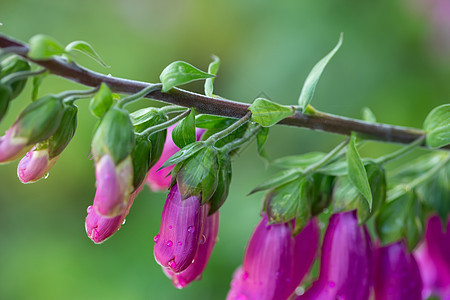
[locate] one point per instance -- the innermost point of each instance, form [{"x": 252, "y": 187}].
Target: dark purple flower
[
  {"x": 346, "y": 261},
  {"x": 397, "y": 275},
  {"x": 433, "y": 258},
  {"x": 274, "y": 262},
  {"x": 114, "y": 185},
  {"x": 181, "y": 231},
  {"x": 207, "y": 242}
]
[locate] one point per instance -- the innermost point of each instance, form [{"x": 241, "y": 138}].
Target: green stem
[
  {"x": 13, "y": 49},
  {"x": 401, "y": 152},
  {"x": 147, "y": 90},
  {"x": 400, "y": 189},
  {"x": 327, "y": 158},
  {"x": 20, "y": 75},
  {"x": 168, "y": 109},
  {"x": 68, "y": 94},
  {"x": 164, "y": 125},
  {"x": 221, "y": 134},
  {"x": 248, "y": 136}
]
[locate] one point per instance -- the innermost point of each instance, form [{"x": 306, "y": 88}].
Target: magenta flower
[
  {"x": 114, "y": 185},
  {"x": 397, "y": 275},
  {"x": 35, "y": 165},
  {"x": 181, "y": 231},
  {"x": 207, "y": 242},
  {"x": 274, "y": 262},
  {"x": 99, "y": 228},
  {"x": 346, "y": 261},
  {"x": 12, "y": 146},
  {"x": 433, "y": 258},
  {"x": 159, "y": 180}
]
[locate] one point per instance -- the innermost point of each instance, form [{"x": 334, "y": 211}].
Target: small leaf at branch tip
[
  {"x": 268, "y": 113},
  {"x": 87, "y": 49},
  {"x": 309, "y": 86},
  {"x": 213, "y": 68},
  {"x": 180, "y": 72},
  {"x": 44, "y": 47},
  {"x": 437, "y": 126},
  {"x": 368, "y": 115}
]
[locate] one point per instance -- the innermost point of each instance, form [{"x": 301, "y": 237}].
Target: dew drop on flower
[
  {"x": 89, "y": 209},
  {"x": 331, "y": 284},
  {"x": 170, "y": 227},
  {"x": 203, "y": 239},
  {"x": 46, "y": 175},
  {"x": 124, "y": 220},
  {"x": 172, "y": 264},
  {"x": 180, "y": 243},
  {"x": 169, "y": 243},
  {"x": 156, "y": 238},
  {"x": 299, "y": 291},
  {"x": 191, "y": 229}
]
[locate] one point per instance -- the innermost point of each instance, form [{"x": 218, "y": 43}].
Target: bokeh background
[{"x": 395, "y": 59}]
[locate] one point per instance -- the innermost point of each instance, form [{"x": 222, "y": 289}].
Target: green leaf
[
  {"x": 298, "y": 161},
  {"x": 390, "y": 223},
  {"x": 44, "y": 47},
  {"x": 183, "y": 154},
  {"x": 282, "y": 203},
  {"x": 180, "y": 72},
  {"x": 321, "y": 192},
  {"x": 437, "y": 126},
  {"x": 414, "y": 228},
  {"x": 261, "y": 139},
  {"x": 211, "y": 122},
  {"x": 212, "y": 69},
  {"x": 368, "y": 115},
  {"x": 37, "y": 81},
  {"x": 101, "y": 101},
  {"x": 277, "y": 180},
  {"x": 223, "y": 186},
  {"x": 311, "y": 81},
  {"x": 87, "y": 49},
  {"x": 357, "y": 173},
  {"x": 268, "y": 113},
  {"x": 184, "y": 133}
]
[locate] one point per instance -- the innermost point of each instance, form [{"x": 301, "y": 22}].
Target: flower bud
[
  {"x": 274, "y": 262},
  {"x": 434, "y": 260},
  {"x": 114, "y": 185},
  {"x": 207, "y": 242},
  {"x": 37, "y": 122},
  {"x": 181, "y": 230},
  {"x": 160, "y": 179},
  {"x": 346, "y": 261},
  {"x": 397, "y": 275},
  {"x": 99, "y": 228},
  {"x": 44, "y": 155}
]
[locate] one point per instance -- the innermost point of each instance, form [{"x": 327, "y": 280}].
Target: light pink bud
[
  {"x": 12, "y": 147},
  {"x": 114, "y": 185},
  {"x": 35, "y": 165}
]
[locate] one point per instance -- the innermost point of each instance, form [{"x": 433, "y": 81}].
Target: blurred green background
[{"x": 392, "y": 61}]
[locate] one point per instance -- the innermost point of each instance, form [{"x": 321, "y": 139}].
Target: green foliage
[
  {"x": 437, "y": 126},
  {"x": 212, "y": 69},
  {"x": 184, "y": 133},
  {"x": 357, "y": 173},
  {"x": 44, "y": 47},
  {"x": 85, "y": 48},
  {"x": 309, "y": 86},
  {"x": 261, "y": 139},
  {"x": 268, "y": 113},
  {"x": 179, "y": 73},
  {"x": 101, "y": 101}
]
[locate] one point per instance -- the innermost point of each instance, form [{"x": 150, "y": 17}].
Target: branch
[{"x": 221, "y": 107}]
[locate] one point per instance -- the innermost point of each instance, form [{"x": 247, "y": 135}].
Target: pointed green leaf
[
  {"x": 390, "y": 223},
  {"x": 368, "y": 115},
  {"x": 282, "y": 202},
  {"x": 37, "y": 81},
  {"x": 211, "y": 122},
  {"x": 357, "y": 173},
  {"x": 268, "y": 113},
  {"x": 183, "y": 154},
  {"x": 437, "y": 126},
  {"x": 184, "y": 133},
  {"x": 311, "y": 81},
  {"x": 87, "y": 49},
  {"x": 180, "y": 72},
  {"x": 212, "y": 69},
  {"x": 298, "y": 161},
  {"x": 261, "y": 139},
  {"x": 101, "y": 101},
  {"x": 44, "y": 47}
]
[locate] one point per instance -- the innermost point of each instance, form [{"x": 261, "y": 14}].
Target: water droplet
[
  {"x": 124, "y": 220},
  {"x": 299, "y": 290},
  {"x": 89, "y": 209},
  {"x": 191, "y": 229},
  {"x": 244, "y": 276},
  {"x": 326, "y": 210},
  {"x": 46, "y": 175},
  {"x": 203, "y": 239},
  {"x": 180, "y": 243},
  {"x": 331, "y": 284},
  {"x": 169, "y": 243},
  {"x": 172, "y": 264},
  {"x": 156, "y": 238},
  {"x": 170, "y": 227}
]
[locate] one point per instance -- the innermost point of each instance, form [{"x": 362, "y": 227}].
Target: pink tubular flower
[
  {"x": 114, "y": 185},
  {"x": 433, "y": 258},
  {"x": 12, "y": 147},
  {"x": 181, "y": 230},
  {"x": 35, "y": 165},
  {"x": 274, "y": 262},
  {"x": 207, "y": 242},
  {"x": 100, "y": 228},
  {"x": 346, "y": 262},
  {"x": 159, "y": 180},
  {"x": 397, "y": 275}
]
